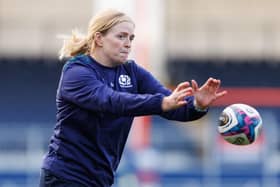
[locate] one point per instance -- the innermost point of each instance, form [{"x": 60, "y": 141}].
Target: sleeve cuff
[{"x": 198, "y": 108}]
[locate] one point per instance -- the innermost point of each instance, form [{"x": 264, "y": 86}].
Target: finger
[
  {"x": 212, "y": 82},
  {"x": 184, "y": 95},
  {"x": 182, "y": 85},
  {"x": 221, "y": 94},
  {"x": 208, "y": 82},
  {"x": 185, "y": 91},
  {"x": 194, "y": 85},
  {"x": 210, "y": 79},
  {"x": 182, "y": 103},
  {"x": 216, "y": 84}
]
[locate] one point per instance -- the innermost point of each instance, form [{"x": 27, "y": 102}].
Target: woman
[{"x": 99, "y": 94}]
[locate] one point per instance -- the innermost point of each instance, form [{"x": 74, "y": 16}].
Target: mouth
[{"x": 124, "y": 54}]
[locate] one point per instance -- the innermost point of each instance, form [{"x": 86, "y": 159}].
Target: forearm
[
  {"x": 104, "y": 99},
  {"x": 186, "y": 113}
]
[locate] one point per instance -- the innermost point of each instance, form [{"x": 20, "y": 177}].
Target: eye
[
  {"x": 131, "y": 38},
  {"x": 121, "y": 36}
]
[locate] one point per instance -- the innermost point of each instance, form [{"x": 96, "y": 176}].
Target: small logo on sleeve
[{"x": 125, "y": 81}]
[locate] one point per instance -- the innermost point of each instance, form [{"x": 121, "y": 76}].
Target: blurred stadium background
[{"x": 237, "y": 41}]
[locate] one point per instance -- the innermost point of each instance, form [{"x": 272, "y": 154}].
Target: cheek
[
  {"x": 113, "y": 42},
  {"x": 116, "y": 44},
  {"x": 113, "y": 48}
]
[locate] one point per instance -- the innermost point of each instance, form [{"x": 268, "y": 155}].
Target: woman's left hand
[{"x": 207, "y": 93}]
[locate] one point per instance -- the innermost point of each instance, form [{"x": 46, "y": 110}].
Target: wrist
[
  {"x": 199, "y": 108},
  {"x": 164, "y": 104}
]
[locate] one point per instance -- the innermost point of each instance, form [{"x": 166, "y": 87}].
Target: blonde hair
[{"x": 78, "y": 43}]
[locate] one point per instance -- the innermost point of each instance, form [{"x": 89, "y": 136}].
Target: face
[{"x": 116, "y": 43}]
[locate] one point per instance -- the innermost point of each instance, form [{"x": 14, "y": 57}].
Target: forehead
[{"x": 125, "y": 26}]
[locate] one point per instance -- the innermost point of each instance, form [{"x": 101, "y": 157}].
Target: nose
[{"x": 127, "y": 43}]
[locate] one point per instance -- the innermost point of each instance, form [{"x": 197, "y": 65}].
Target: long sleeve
[
  {"x": 148, "y": 84},
  {"x": 81, "y": 86}
]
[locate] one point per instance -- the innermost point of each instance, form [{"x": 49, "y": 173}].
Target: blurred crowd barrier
[{"x": 178, "y": 154}]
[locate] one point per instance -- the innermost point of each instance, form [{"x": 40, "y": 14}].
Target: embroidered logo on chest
[{"x": 125, "y": 81}]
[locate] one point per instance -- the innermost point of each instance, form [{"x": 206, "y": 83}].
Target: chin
[
  {"x": 121, "y": 61},
  {"x": 118, "y": 62}
]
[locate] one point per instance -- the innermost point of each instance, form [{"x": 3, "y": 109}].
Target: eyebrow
[{"x": 126, "y": 33}]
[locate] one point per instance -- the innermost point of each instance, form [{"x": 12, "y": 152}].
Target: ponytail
[{"x": 73, "y": 45}]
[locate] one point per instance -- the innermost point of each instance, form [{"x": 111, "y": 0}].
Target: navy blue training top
[{"x": 95, "y": 109}]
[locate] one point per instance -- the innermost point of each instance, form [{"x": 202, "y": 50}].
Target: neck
[{"x": 101, "y": 59}]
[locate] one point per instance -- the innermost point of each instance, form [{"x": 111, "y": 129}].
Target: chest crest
[{"x": 125, "y": 81}]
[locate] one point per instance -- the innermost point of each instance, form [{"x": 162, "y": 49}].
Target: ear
[{"x": 98, "y": 38}]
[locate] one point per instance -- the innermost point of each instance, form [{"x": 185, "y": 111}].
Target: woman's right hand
[{"x": 177, "y": 98}]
